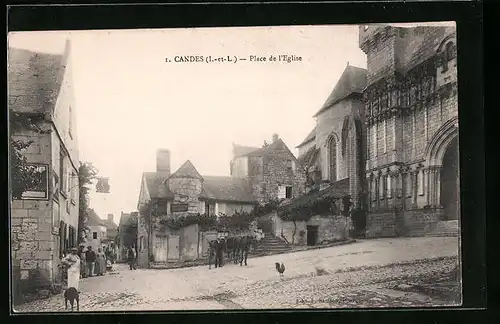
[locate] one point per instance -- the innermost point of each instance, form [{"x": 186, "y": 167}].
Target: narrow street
[{"x": 370, "y": 273}]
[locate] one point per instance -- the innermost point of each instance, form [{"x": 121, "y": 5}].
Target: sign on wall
[
  {"x": 38, "y": 187},
  {"x": 176, "y": 208}
]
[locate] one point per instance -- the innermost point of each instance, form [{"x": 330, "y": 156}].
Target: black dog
[{"x": 71, "y": 294}]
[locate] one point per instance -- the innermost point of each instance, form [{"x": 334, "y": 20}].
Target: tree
[
  {"x": 23, "y": 175},
  {"x": 86, "y": 173}
]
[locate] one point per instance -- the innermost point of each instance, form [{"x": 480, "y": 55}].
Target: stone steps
[
  {"x": 445, "y": 228},
  {"x": 271, "y": 244}
]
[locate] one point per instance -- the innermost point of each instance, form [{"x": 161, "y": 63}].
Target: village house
[
  {"x": 127, "y": 234},
  {"x": 412, "y": 125},
  {"x": 258, "y": 175},
  {"x": 44, "y": 222},
  {"x": 98, "y": 230}
]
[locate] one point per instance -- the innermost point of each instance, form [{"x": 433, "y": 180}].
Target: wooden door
[
  {"x": 173, "y": 248},
  {"x": 160, "y": 249}
]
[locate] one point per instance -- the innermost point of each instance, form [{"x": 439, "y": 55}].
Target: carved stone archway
[{"x": 445, "y": 138}]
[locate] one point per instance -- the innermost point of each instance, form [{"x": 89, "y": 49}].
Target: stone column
[
  {"x": 414, "y": 187},
  {"x": 438, "y": 187},
  {"x": 427, "y": 182}
]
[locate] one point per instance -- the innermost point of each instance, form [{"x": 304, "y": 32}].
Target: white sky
[{"x": 130, "y": 102}]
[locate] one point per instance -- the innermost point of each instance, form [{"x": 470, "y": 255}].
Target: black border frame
[{"x": 468, "y": 16}]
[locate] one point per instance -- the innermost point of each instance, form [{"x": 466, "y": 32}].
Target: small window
[
  {"x": 289, "y": 164},
  {"x": 94, "y": 235},
  {"x": 288, "y": 192}
]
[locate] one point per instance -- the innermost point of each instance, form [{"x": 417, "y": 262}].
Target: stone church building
[
  {"x": 412, "y": 121},
  {"x": 258, "y": 175},
  {"x": 388, "y": 135}
]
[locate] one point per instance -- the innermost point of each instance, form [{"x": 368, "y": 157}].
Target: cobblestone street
[{"x": 362, "y": 274}]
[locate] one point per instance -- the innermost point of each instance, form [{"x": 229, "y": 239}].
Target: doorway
[
  {"x": 312, "y": 235},
  {"x": 450, "y": 187}
]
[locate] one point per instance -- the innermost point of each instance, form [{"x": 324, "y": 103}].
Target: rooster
[{"x": 280, "y": 268}]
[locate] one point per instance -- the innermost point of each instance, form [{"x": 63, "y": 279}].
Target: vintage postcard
[{"x": 234, "y": 168}]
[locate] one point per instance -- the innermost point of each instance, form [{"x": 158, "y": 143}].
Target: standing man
[
  {"x": 83, "y": 261},
  {"x": 90, "y": 257},
  {"x": 132, "y": 256}
]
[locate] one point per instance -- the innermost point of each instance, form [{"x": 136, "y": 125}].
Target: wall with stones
[
  {"x": 33, "y": 246},
  {"x": 186, "y": 191},
  {"x": 231, "y": 208},
  {"x": 418, "y": 222},
  {"x": 330, "y": 228},
  {"x": 277, "y": 173},
  {"x": 381, "y": 224}
]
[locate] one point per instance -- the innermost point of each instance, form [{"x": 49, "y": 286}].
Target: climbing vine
[{"x": 23, "y": 175}]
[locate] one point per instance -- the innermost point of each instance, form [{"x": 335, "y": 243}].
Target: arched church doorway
[{"x": 450, "y": 192}]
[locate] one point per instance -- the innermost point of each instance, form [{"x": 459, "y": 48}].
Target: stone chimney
[
  {"x": 275, "y": 138},
  {"x": 111, "y": 218},
  {"x": 163, "y": 160}
]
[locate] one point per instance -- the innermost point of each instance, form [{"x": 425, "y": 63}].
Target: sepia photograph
[{"x": 233, "y": 168}]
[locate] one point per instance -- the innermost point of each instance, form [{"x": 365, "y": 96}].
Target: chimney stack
[
  {"x": 275, "y": 138},
  {"x": 110, "y": 218},
  {"x": 163, "y": 160}
]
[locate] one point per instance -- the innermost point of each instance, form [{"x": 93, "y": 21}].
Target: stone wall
[
  {"x": 418, "y": 222},
  {"x": 330, "y": 228},
  {"x": 186, "y": 191},
  {"x": 381, "y": 224},
  {"x": 33, "y": 244},
  {"x": 277, "y": 173}
]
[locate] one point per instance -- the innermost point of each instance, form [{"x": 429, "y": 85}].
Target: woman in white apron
[{"x": 73, "y": 262}]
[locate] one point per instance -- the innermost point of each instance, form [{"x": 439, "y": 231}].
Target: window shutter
[{"x": 281, "y": 192}]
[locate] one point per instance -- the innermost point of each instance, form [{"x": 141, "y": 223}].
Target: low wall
[{"x": 330, "y": 228}]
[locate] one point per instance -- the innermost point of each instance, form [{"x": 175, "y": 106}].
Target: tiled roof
[
  {"x": 227, "y": 189},
  {"x": 34, "y": 80},
  {"x": 308, "y": 158},
  {"x": 335, "y": 190},
  {"x": 279, "y": 144},
  {"x": 353, "y": 80},
  {"x": 127, "y": 219},
  {"x": 240, "y": 150},
  {"x": 311, "y": 136},
  {"x": 156, "y": 186},
  {"x": 422, "y": 45},
  {"x": 187, "y": 170},
  {"x": 94, "y": 219}
]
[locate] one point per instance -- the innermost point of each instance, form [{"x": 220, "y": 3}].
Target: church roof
[
  {"x": 34, "y": 80},
  {"x": 278, "y": 144},
  {"x": 309, "y": 157},
  {"x": 352, "y": 80},
  {"x": 187, "y": 170},
  {"x": 311, "y": 136},
  {"x": 227, "y": 189}
]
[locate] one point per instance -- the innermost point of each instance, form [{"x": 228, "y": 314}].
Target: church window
[
  {"x": 374, "y": 139},
  {"x": 393, "y": 132},
  {"x": 450, "y": 51},
  {"x": 332, "y": 157},
  {"x": 384, "y": 130},
  {"x": 374, "y": 188},
  {"x": 421, "y": 182},
  {"x": 408, "y": 185},
  {"x": 381, "y": 187},
  {"x": 389, "y": 186}
]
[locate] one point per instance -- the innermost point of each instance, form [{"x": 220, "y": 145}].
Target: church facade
[{"x": 390, "y": 138}]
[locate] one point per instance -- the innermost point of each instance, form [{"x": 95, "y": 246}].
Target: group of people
[
  {"x": 236, "y": 249},
  {"x": 81, "y": 263}
]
